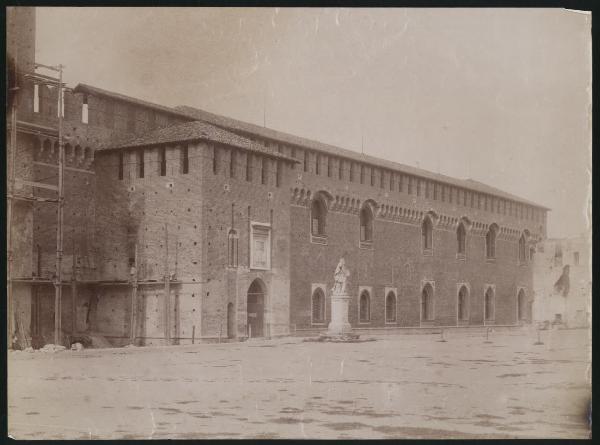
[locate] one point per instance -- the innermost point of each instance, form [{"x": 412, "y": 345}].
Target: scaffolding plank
[{"x": 37, "y": 184}]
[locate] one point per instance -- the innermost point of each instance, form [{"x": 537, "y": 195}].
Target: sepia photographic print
[{"x": 298, "y": 223}]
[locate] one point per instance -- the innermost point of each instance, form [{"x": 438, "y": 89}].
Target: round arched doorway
[{"x": 256, "y": 309}]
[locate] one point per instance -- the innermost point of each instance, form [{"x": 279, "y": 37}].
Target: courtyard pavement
[{"x": 400, "y": 386}]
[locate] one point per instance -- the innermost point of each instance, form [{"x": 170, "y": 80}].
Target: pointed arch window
[
  {"x": 522, "y": 249},
  {"x": 318, "y": 213},
  {"x": 366, "y": 226},
  {"x": 390, "y": 307},
  {"x": 490, "y": 242},
  {"x": 427, "y": 235},
  {"x": 318, "y": 306},
  {"x": 364, "y": 315},
  {"x": 461, "y": 240},
  {"x": 427, "y": 303}
]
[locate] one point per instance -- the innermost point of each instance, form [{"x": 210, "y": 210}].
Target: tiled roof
[
  {"x": 88, "y": 89},
  {"x": 235, "y": 125},
  {"x": 195, "y": 131}
]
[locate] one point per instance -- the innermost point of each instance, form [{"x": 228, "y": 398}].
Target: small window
[
  {"x": 435, "y": 191},
  {"x": 84, "y": 110},
  {"x": 121, "y": 164},
  {"x": 163, "y": 160},
  {"x": 318, "y": 166},
  {"x": 410, "y": 185},
  {"x": 352, "y": 172},
  {"x": 318, "y": 306},
  {"x": 362, "y": 174},
  {"x": 36, "y": 98},
  {"x": 392, "y": 181},
  {"x": 364, "y": 315},
  {"x": 340, "y": 169},
  {"x": 372, "y": 176},
  {"x": 576, "y": 258},
  {"x": 461, "y": 238},
  {"x": 366, "y": 224},
  {"x": 185, "y": 160},
  {"x": 306, "y": 158},
  {"x": 419, "y": 187},
  {"x": 443, "y": 187},
  {"x": 427, "y": 234},
  {"x": 381, "y": 179},
  {"x": 329, "y": 166},
  {"x": 400, "y": 183},
  {"x": 141, "y": 162},
  {"x": 427, "y": 303},
  {"x": 390, "y": 307},
  {"x": 232, "y": 248},
  {"x": 317, "y": 217}
]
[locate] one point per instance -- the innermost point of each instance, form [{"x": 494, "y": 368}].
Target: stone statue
[{"x": 339, "y": 278}]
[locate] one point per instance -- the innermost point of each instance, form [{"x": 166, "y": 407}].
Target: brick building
[{"x": 241, "y": 226}]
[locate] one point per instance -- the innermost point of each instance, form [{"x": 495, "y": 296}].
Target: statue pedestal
[
  {"x": 339, "y": 315},
  {"x": 339, "y": 329}
]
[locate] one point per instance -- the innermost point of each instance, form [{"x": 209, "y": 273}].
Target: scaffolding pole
[
  {"x": 59, "y": 225},
  {"x": 10, "y": 253},
  {"x": 167, "y": 289}
]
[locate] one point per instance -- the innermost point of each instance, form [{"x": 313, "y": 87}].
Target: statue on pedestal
[{"x": 340, "y": 277}]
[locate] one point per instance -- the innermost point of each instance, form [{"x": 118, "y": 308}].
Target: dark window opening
[
  {"x": 317, "y": 217},
  {"x": 215, "y": 159},
  {"x": 427, "y": 303},
  {"x": 264, "y": 171},
  {"x": 390, "y": 307},
  {"x": 461, "y": 238},
  {"x": 232, "y": 163},
  {"x": 365, "y": 307},
  {"x": 141, "y": 163},
  {"x": 185, "y": 164},
  {"x": 163, "y": 161},
  {"x": 489, "y": 304},
  {"x": 366, "y": 224},
  {"x": 490, "y": 242},
  {"x": 278, "y": 173},
  {"x": 318, "y": 306},
  {"x": 427, "y": 234},
  {"x": 232, "y": 250},
  {"x": 248, "y": 167}
]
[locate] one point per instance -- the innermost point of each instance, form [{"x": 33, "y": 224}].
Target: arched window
[
  {"x": 522, "y": 249},
  {"x": 390, "y": 307},
  {"x": 427, "y": 303},
  {"x": 427, "y": 234},
  {"x": 318, "y": 306},
  {"x": 366, "y": 224},
  {"x": 232, "y": 250},
  {"x": 364, "y": 307},
  {"x": 317, "y": 217},
  {"x": 461, "y": 239},
  {"x": 489, "y": 304},
  {"x": 490, "y": 242},
  {"x": 463, "y": 303}
]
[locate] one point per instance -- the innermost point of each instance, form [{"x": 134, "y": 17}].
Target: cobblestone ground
[{"x": 400, "y": 386}]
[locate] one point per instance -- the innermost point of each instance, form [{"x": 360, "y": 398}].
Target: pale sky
[{"x": 502, "y": 96}]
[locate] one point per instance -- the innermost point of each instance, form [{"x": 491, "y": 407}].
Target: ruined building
[{"x": 240, "y": 226}]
